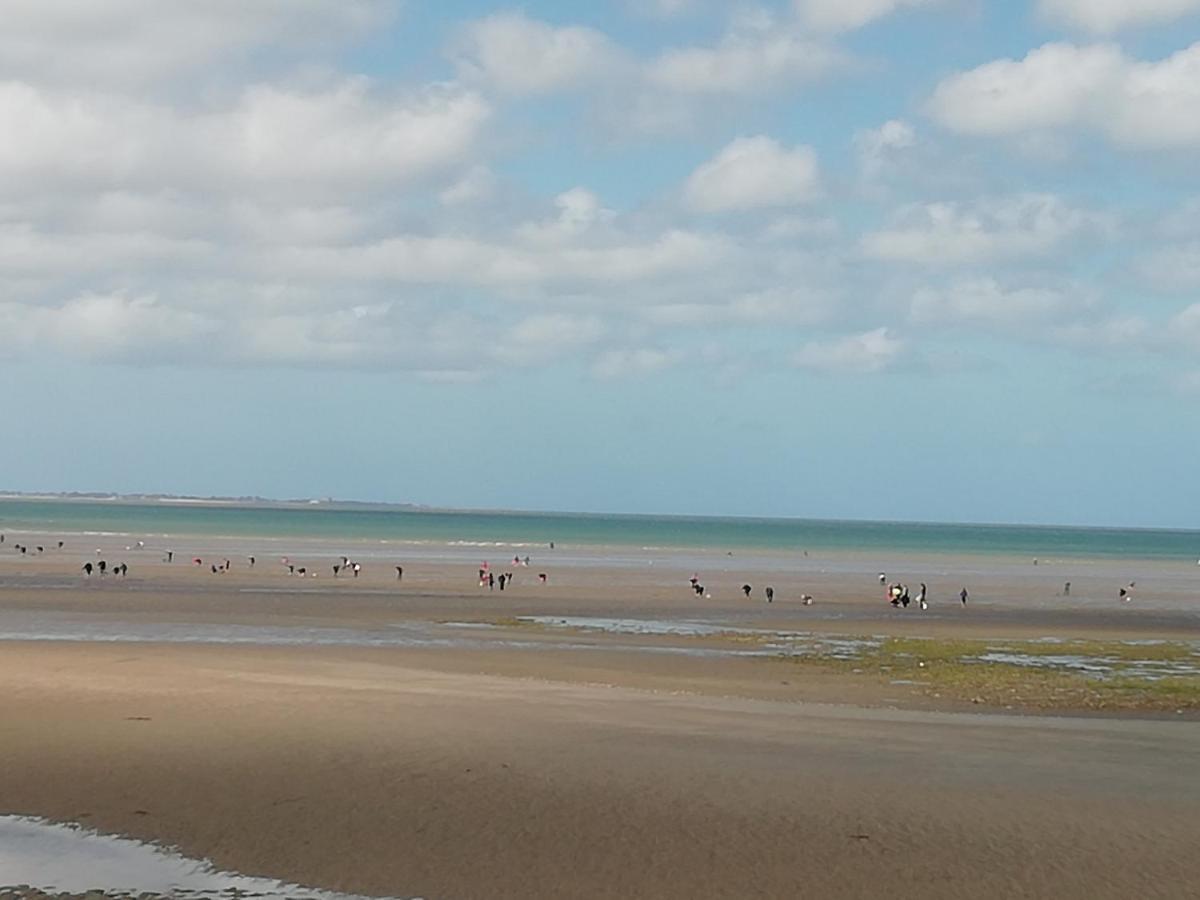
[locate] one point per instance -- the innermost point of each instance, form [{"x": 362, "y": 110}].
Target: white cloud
[
  {"x": 1136, "y": 104},
  {"x": 876, "y": 146},
  {"x": 1185, "y": 326},
  {"x": 114, "y": 326},
  {"x": 476, "y": 185},
  {"x": 140, "y": 41},
  {"x": 26, "y": 249},
  {"x": 951, "y": 234},
  {"x": 865, "y": 353},
  {"x": 547, "y": 336},
  {"x": 515, "y": 54},
  {"x": 346, "y": 134},
  {"x": 1128, "y": 333},
  {"x": 753, "y": 173},
  {"x": 1175, "y": 267},
  {"x": 743, "y": 63},
  {"x": 464, "y": 260},
  {"x": 663, "y": 9},
  {"x": 632, "y": 363},
  {"x": 578, "y": 210},
  {"x": 846, "y": 15},
  {"x": 984, "y": 301},
  {"x": 1106, "y": 16}
]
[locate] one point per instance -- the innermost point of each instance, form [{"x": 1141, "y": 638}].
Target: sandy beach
[{"x": 429, "y": 738}]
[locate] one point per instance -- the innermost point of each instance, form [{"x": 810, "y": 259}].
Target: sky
[{"x": 885, "y": 259}]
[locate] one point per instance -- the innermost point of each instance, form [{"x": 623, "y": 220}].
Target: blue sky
[{"x": 900, "y": 259}]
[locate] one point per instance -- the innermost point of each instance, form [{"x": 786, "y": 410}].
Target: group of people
[
  {"x": 490, "y": 580},
  {"x": 101, "y": 566},
  {"x": 747, "y": 589},
  {"x": 897, "y": 594},
  {"x": 23, "y": 549}
]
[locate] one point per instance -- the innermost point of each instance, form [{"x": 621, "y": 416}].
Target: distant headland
[{"x": 190, "y": 500}]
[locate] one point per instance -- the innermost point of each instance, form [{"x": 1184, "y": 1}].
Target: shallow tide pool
[{"x": 66, "y": 858}]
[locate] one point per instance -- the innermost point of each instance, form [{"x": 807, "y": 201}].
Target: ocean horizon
[{"x": 349, "y": 521}]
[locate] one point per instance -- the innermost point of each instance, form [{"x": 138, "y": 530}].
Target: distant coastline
[{"x": 251, "y": 502}]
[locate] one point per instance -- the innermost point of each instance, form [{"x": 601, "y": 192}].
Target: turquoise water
[{"x": 567, "y": 530}]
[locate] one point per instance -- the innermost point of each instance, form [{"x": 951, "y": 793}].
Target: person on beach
[
  {"x": 252, "y": 562},
  {"x": 503, "y": 580},
  {"x": 962, "y": 595},
  {"x": 87, "y": 569},
  {"x": 921, "y": 597},
  {"x": 904, "y": 598},
  {"x": 770, "y": 592},
  {"x": 746, "y": 589},
  {"x": 102, "y": 566},
  {"x": 542, "y": 577},
  {"x": 491, "y": 580},
  {"x": 336, "y": 570},
  {"x": 357, "y": 569},
  {"x": 1067, "y": 589},
  {"x": 170, "y": 556},
  {"x": 399, "y": 573}
]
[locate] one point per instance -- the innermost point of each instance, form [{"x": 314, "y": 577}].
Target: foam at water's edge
[{"x": 68, "y": 858}]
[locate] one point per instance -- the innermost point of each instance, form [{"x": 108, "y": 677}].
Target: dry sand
[{"x": 464, "y": 771}]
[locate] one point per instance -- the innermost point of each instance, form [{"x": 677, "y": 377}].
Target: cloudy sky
[{"x": 902, "y": 259}]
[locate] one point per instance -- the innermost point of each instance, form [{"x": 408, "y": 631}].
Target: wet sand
[
  {"x": 352, "y": 770},
  {"x": 505, "y": 762}
]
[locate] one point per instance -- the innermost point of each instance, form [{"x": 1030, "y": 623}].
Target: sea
[{"x": 319, "y": 522}]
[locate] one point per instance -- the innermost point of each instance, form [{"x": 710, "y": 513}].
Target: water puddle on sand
[
  {"x": 637, "y": 626},
  {"x": 793, "y": 643},
  {"x": 64, "y": 858},
  {"x": 801, "y": 644},
  {"x": 1100, "y": 666}
]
